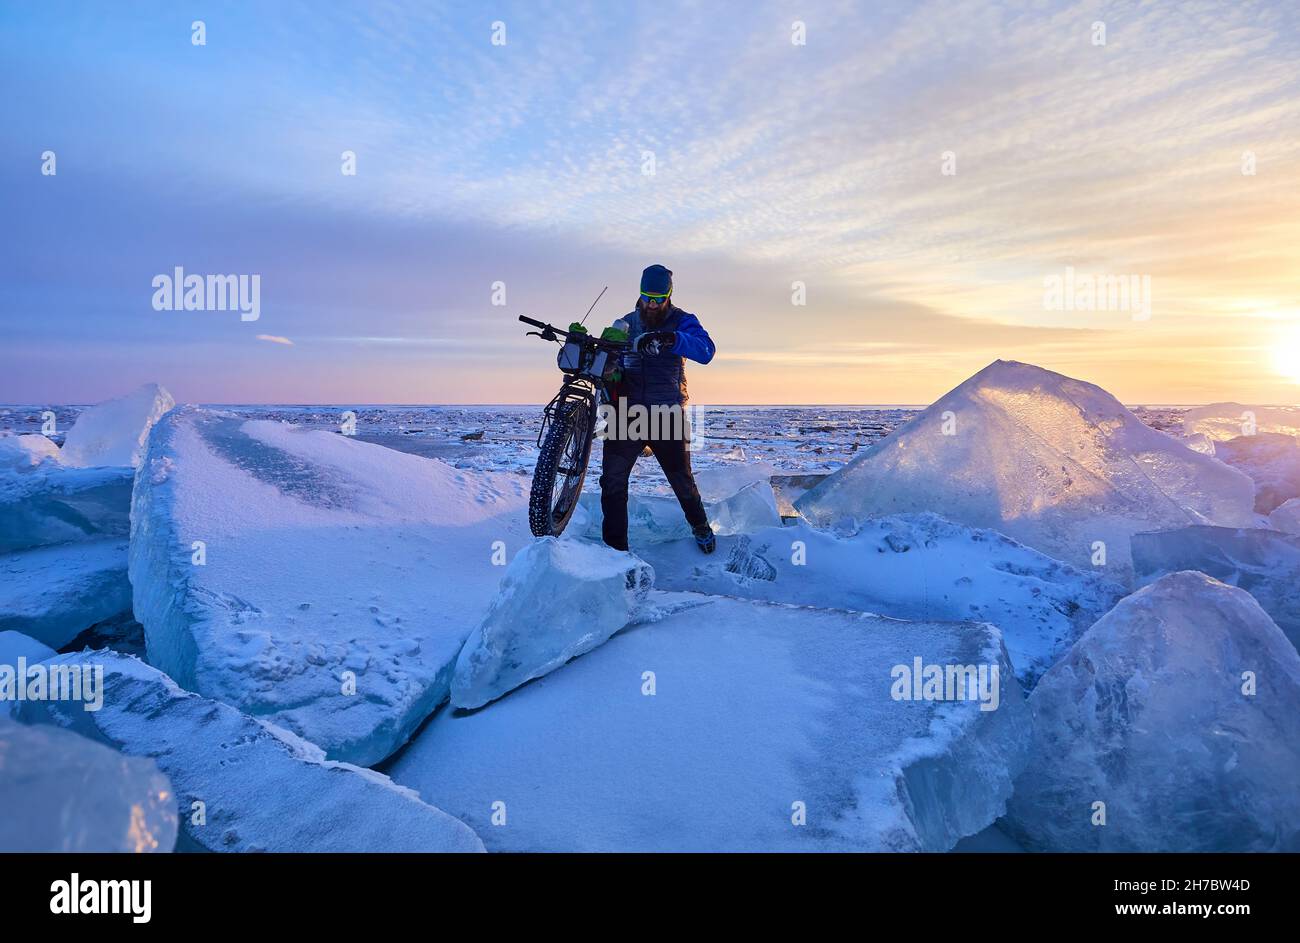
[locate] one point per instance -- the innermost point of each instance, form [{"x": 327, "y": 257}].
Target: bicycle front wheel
[{"x": 561, "y": 468}]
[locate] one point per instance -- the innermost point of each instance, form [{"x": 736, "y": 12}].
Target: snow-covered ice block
[
  {"x": 1286, "y": 517},
  {"x": 62, "y": 792},
  {"x": 1056, "y": 463},
  {"x": 49, "y": 504},
  {"x": 1178, "y": 711},
  {"x": 910, "y": 567},
  {"x": 337, "y": 579},
  {"x": 15, "y": 645},
  {"x": 261, "y": 788},
  {"x": 1228, "y": 420},
  {"x": 115, "y": 432},
  {"x": 1265, "y": 563},
  {"x": 54, "y": 593},
  {"x": 719, "y": 724},
  {"x": 26, "y": 451},
  {"x": 558, "y": 599},
  {"x": 1272, "y": 460}
]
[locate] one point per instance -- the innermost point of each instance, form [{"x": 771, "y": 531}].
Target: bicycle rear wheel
[{"x": 561, "y": 468}]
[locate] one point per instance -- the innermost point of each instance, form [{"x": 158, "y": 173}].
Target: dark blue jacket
[{"x": 661, "y": 380}]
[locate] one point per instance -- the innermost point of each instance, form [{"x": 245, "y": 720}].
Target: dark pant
[{"x": 616, "y": 465}]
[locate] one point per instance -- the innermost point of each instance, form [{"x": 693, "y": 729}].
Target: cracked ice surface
[
  {"x": 915, "y": 566},
  {"x": 756, "y": 707}
]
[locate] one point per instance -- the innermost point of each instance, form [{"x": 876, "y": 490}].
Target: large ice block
[
  {"x": 245, "y": 785},
  {"x": 323, "y": 584},
  {"x": 115, "y": 432},
  {"x": 559, "y": 599},
  {"x": 1170, "y": 726},
  {"x": 1056, "y": 463}
]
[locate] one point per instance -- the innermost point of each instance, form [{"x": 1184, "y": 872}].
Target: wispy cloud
[{"x": 773, "y": 163}]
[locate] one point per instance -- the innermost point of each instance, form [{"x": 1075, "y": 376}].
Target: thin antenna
[{"x": 593, "y": 305}]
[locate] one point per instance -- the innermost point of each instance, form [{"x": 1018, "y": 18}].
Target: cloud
[{"x": 275, "y": 339}]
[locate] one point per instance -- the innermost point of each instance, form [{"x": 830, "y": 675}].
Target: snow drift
[
  {"x": 260, "y": 788},
  {"x": 1056, "y": 463},
  {"x": 1177, "y": 710},
  {"x": 323, "y": 584}
]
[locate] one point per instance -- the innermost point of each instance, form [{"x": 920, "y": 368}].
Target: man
[{"x": 654, "y": 374}]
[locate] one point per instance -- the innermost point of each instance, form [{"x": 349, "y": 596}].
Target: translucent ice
[
  {"x": 1272, "y": 460},
  {"x": 62, "y": 792},
  {"x": 49, "y": 504},
  {"x": 1056, "y": 463},
  {"x": 115, "y": 432},
  {"x": 1265, "y": 563},
  {"x": 1174, "y": 719}
]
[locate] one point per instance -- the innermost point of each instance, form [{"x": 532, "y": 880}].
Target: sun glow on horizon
[{"x": 1286, "y": 352}]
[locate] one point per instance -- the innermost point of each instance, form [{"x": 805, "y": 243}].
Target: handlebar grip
[{"x": 532, "y": 322}]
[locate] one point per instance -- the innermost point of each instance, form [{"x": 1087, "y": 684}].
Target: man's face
[{"x": 654, "y": 305}]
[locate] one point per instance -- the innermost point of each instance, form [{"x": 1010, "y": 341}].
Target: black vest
[{"x": 658, "y": 380}]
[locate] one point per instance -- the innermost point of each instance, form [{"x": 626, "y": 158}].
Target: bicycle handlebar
[{"x": 580, "y": 335}]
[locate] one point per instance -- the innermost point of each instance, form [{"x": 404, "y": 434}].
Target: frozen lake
[{"x": 795, "y": 440}]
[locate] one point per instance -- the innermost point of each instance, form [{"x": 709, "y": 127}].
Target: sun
[{"x": 1286, "y": 352}]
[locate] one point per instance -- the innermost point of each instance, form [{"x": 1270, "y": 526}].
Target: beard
[{"x": 653, "y": 317}]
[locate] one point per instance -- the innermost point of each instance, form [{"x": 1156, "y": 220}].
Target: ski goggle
[{"x": 653, "y": 299}]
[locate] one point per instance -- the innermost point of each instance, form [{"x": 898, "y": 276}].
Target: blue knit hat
[{"x": 656, "y": 280}]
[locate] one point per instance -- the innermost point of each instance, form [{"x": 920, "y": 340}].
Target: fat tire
[{"x": 540, "y": 518}]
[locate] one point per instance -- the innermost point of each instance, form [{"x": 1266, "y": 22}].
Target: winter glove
[{"x": 655, "y": 342}]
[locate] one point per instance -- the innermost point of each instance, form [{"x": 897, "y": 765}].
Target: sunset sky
[{"x": 774, "y": 163}]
